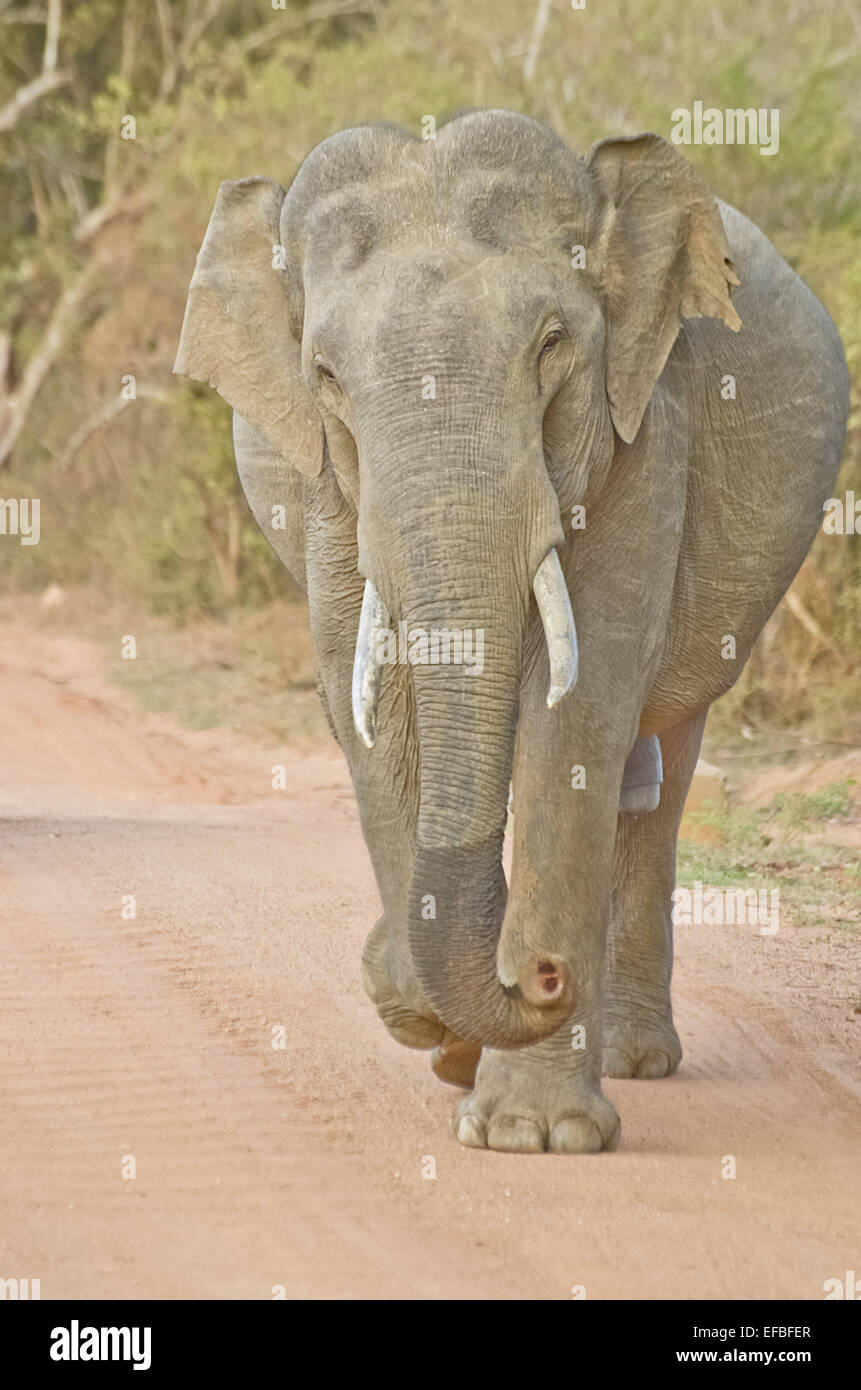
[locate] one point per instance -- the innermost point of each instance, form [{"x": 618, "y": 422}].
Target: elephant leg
[
  {"x": 456, "y": 1061},
  {"x": 385, "y": 780},
  {"x": 534, "y": 1099},
  {"x": 548, "y": 1096},
  {"x": 639, "y": 1037},
  {"x": 389, "y": 981}
]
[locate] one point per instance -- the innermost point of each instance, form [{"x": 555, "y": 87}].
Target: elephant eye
[{"x": 550, "y": 341}]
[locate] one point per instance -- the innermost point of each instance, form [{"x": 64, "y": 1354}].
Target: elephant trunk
[
  {"x": 458, "y": 894},
  {"x": 455, "y": 587},
  {"x": 557, "y": 620}
]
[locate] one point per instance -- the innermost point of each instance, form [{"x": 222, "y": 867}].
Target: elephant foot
[
  {"x": 455, "y": 1061},
  {"x": 398, "y": 998},
  {"x": 409, "y": 1028},
  {"x": 647, "y": 1054},
  {"x": 520, "y": 1108}
]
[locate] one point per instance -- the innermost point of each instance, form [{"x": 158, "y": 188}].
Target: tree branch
[
  {"x": 49, "y": 78},
  {"x": 168, "y": 46},
  {"x": 25, "y": 96},
  {"x": 24, "y": 16},
  {"x": 542, "y": 14},
  {"x": 809, "y": 623},
  {"x": 20, "y": 402},
  {"x": 120, "y": 205},
  {"x": 290, "y": 25},
  {"x": 128, "y": 44},
  {"x": 52, "y": 35},
  {"x": 197, "y": 24},
  {"x": 103, "y": 416}
]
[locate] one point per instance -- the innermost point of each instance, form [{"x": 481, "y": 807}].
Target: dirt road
[{"x": 149, "y": 1039}]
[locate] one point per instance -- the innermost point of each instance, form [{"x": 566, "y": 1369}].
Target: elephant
[{"x": 576, "y": 404}]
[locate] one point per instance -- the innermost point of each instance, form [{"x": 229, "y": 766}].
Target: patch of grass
[
  {"x": 797, "y": 812},
  {"x": 819, "y": 880},
  {"x": 253, "y": 673},
  {"x": 737, "y": 830}
]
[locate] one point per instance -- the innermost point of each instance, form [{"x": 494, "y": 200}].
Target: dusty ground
[{"x": 303, "y": 1166}]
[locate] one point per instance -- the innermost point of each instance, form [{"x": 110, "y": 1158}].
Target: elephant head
[{"x": 463, "y": 329}]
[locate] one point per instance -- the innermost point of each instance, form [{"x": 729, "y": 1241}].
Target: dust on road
[{"x": 303, "y": 1166}]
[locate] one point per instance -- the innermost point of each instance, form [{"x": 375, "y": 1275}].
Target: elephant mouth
[{"x": 557, "y": 620}]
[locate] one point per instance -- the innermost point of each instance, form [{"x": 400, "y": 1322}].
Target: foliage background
[{"x": 99, "y": 234}]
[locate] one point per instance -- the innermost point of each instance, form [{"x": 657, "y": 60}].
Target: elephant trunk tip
[{"x": 546, "y": 980}]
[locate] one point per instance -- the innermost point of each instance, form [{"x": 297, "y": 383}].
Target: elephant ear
[
  {"x": 665, "y": 257},
  {"x": 236, "y": 334}
]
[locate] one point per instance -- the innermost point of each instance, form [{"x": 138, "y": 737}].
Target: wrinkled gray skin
[{"x": 555, "y": 386}]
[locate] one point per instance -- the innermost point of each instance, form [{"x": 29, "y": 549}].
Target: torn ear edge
[
  {"x": 711, "y": 272},
  {"x": 695, "y": 261}
]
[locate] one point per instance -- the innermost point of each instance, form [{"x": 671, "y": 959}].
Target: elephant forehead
[
  {"x": 528, "y": 208},
  {"x": 497, "y": 176},
  {"x": 490, "y": 209},
  {"x": 344, "y": 224}
]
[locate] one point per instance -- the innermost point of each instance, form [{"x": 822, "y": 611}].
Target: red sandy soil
[{"x": 303, "y": 1166}]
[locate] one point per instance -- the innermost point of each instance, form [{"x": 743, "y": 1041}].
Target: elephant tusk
[
  {"x": 366, "y": 667},
  {"x": 554, "y": 605}
]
